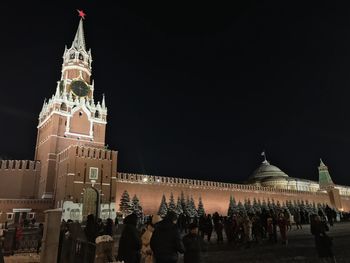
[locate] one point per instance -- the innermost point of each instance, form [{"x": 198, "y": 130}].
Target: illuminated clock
[{"x": 79, "y": 88}]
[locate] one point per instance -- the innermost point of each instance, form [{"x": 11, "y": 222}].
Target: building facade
[{"x": 74, "y": 170}]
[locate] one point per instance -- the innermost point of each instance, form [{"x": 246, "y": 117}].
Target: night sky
[{"x": 192, "y": 91}]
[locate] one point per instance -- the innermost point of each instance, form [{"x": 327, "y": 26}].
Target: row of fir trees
[
  {"x": 187, "y": 206},
  {"x": 256, "y": 206},
  {"x": 182, "y": 206},
  {"x": 128, "y": 206}
]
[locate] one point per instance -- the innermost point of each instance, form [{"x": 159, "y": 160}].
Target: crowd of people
[
  {"x": 162, "y": 241},
  {"x": 155, "y": 239}
]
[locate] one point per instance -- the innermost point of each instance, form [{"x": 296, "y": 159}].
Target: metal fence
[
  {"x": 77, "y": 251},
  {"x": 26, "y": 242}
]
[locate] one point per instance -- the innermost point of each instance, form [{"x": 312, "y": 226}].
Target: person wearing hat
[
  {"x": 166, "y": 242},
  {"x": 146, "y": 251},
  {"x": 194, "y": 245}
]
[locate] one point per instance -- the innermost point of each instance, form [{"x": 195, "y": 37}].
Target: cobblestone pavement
[
  {"x": 301, "y": 248},
  {"x": 25, "y": 258}
]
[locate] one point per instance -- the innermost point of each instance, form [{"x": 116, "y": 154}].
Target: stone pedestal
[{"x": 51, "y": 235}]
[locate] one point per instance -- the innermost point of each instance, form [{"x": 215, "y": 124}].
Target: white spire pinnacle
[
  {"x": 103, "y": 101},
  {"x": 79, "y": 39},
  {"x": 265, "y": 159},
  {"x": 57, "y": 95}
]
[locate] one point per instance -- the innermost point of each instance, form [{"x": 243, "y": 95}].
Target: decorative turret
[{"x": 325, "y": 180}]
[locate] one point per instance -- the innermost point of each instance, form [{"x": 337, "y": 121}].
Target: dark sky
[{"x": 192, "y": 91}]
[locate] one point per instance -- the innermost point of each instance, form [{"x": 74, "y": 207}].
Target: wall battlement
[
  {"x": 86, "y": 152},
  {"x": 21, "y": 177},
  {"x": 170, "y": 181},
  {"x": 14, "y": 165}
]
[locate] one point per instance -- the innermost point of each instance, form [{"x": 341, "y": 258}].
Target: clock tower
[{"x": 71, "y": 116}]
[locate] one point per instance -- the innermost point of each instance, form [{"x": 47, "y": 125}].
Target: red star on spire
[{"x": 81, "y": 13}]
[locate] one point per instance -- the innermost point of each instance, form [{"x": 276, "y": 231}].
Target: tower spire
[
  {"x": 103, "y": 101},
  {"x": 79, "y": 39},
  {"x": 324, "y": 177},
  {"x": 265, "y": 159}
]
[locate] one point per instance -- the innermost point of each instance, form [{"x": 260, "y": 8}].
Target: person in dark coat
[
  {"x": 166, "y": 242},
  {"x": 323, "y": 242},
  {"x": 130, "y": 243},
  {"x": 218, "y": 229},
  {"x": 108, "y": 228},
  {"x": 208, "y": 227},
  {"x": 194, "y": 245},
  {"x": 90, "y": 229},
  {"x": 40, "y": 237}
]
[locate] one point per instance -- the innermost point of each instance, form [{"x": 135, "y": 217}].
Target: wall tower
[{"x": 71, "y": 116}]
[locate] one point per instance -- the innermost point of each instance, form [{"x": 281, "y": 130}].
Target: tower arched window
[
  {"x": 81, "y": 57},
  {"x": 97, "y": 114},
  {"x": 63, "y": 107},
  {"x": 72, "y": 56}
]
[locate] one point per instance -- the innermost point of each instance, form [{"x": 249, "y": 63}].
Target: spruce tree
[
  {"x": 187, "y": 209},
  {"x": 193, "y": 208},
  {"x": 241, "y": 208},
  {"x": 163, "y": 208},
  {"x": 171, "y": 204},
  {"x": 178, "y": 208},
  {"x": 278, "y": 206},
  {"x": 232, "y": 207},
  {"x": 264, "y": 205},
  {"x": 248, "y": 207},
  {"x": 136, "y": 207},
  {"x": 200, "y": 211},
  {"x": 125, "y": 204},
  {"x": 256, "y": 206},
  {"x": 183, "y": 202}
]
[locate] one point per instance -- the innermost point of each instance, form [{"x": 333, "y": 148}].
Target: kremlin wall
[{"x": 73, "y": 169}]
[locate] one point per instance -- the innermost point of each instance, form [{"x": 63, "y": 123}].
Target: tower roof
[
  {"x": 324, "y": 177},
  {"x": 79, "y": 39}
]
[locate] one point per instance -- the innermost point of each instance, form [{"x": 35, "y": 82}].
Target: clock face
[{"x": 79, "y": 88}]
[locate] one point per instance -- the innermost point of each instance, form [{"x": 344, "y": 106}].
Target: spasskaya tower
[{"x": 71, "y": 116}]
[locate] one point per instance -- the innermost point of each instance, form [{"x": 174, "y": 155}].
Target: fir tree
[
  {"x": 232, "y": 207},
  {"x": 163, "y": 208},
  {"x": 183, "y": 202},
  {"x": 269, "y": 205},
  {"x": 302, "y": 206},
  {"x": 264, "y": 205},
  {"x": 191, "y": 208},
  {"x": 178, "y": 208},
  {"x": 278, "y": 206},
  {"x": 291, "y": 207},
  {"x": 136, "y": 207},
  {"x": 125, "y": 206},
  {"x": 248, "y": 207},
  {"x": 256, "y": 206},
  {"x": 273, "y": 205},
  {"x": 241, "y": 208},
  {"x": 200, "y": 211},
  {"x": 171, "y": 204}
]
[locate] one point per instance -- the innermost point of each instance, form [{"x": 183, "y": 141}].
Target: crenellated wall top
[
  {"x": 15, "y": 165},
  {"x": 161, "y": 180},
  {"x": 87, "y": 152}
]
